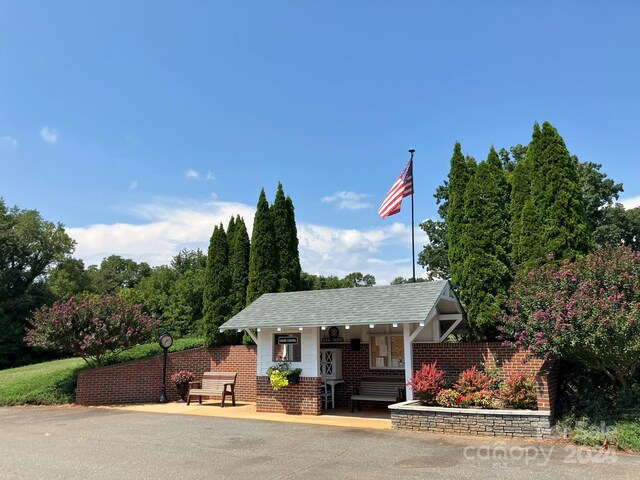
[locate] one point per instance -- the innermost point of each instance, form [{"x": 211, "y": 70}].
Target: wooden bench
[
  {"x": 378, "y": 389},
  {"x": 214, "y": 384}
]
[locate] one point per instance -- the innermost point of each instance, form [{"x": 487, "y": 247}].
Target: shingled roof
[{"x": 405, "y": 303}]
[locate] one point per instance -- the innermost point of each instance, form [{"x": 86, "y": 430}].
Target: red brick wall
[
  {"x": 355, "y": 365},
  {"x": 300, "y": 399},
  {"x": 454, "y": 358},
  {"x": 457, "y": 357},
  {"x": 140, "y": 381}
]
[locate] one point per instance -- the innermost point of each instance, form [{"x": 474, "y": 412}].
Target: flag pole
[{"x": 413, "y": 241}]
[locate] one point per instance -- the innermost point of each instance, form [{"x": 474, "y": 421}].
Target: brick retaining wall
[
  {"x": 468, "y": 421},
  {"x": 454, "y": 358},
  {"x": 140, "y": 381}
]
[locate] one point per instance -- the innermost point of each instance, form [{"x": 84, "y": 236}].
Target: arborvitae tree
[
  {"x": 231, "y": 230},
  {"x": 217, "y": 289},
  {"x": 521, "y": 230},
  {"x": 239, "y": 251},
  {"x": 484, "y": 246},
  {"x": 461, "y": 171},
  {"x": 263, "y": 273},
  {"x": 289, "y": 264},
  {"x": 558, "y": 199},
  {"x": 286, "y": 237}
]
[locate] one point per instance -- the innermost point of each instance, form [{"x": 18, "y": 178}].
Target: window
[
  {"x": 387, "y": 351},
  {"x": 287, "y": 347}
]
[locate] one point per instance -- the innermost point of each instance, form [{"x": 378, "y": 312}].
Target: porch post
[{"x": 408, "y": 358}]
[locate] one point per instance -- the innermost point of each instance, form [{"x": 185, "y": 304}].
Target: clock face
[
  {"x": 334, "y": 332},
  {"x": 166, "y": 340}
]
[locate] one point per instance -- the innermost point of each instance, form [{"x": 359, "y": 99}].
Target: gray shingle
[{"x": 406, "y": 303}]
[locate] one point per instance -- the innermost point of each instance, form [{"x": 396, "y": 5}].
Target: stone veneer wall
[
  {"x": 468, "y": 421},
  {"x": 140, "y": 381},
  {"x": 300, "y": 399}
]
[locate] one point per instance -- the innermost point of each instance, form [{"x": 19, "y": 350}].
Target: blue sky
[{"x": 139, "y": 125}]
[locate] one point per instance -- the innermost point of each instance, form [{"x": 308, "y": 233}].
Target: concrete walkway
[{"x": 373, "y": 419}]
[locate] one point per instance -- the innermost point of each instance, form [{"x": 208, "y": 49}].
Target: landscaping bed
[{"x": 411, "y": 415}]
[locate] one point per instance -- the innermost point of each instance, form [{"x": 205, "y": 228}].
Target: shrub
[
  {"x": 484, "y": 399},
  {"x": 91, "y": 327},
  {"x": 519, "y": 391},
  {"x": 427, "y": 382},
  {"x": 473, "y": 380},
  {"x": 448, "y": 398},
  {"x": 586, "y": 310}
]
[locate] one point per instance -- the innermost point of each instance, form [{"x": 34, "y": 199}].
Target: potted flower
[
  {"x": 181, "y": 379},
  {"x": 281, "y": 374}
]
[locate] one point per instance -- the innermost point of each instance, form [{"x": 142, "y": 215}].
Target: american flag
[{"x": 402, "y": 188}]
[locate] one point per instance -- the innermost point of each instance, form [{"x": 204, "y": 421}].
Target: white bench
[{"x": 378, "y": 389}]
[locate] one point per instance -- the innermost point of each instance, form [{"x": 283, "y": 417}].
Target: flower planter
[
  {"x": 183, "y": 389},
  {"x": 293, "y": 378},
  {"x": 410, "y": 415}
]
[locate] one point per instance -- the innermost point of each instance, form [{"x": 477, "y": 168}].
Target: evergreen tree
[
  {"x": 239, "y": 251},
  {"x": 522, "y": 231},
  {"x": 217, "y": 289},
  {"x": 286, "y": 237},
  {"x": 263, "y": 263},
  {"x": 484, "y": 245},
  {"x": 459, "y": 174},
  {"x": 231, "y": 231},
  {"x": 558, "y": 200}
]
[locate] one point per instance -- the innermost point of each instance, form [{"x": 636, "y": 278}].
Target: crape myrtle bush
[
  {"x": 92, "y": 327},
  {"x": 586, "y": 310}
]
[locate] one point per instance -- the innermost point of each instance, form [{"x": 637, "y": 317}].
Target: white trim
[
  {"x": 408, "y": 356},
  {"x": 446, "y": 334},
  {"x": 252, "y": 335}
]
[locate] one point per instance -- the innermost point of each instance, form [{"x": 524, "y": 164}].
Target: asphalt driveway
[{"x": 87, "y": 443}]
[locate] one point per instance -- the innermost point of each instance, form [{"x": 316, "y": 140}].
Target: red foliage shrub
[
  {"x": 427, "y": 382},
  {"x": 474, "y": 380},
  {"x": 519, "y": 391}
]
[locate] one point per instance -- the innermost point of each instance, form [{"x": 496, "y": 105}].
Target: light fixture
[
  {"x": 371, "y": 325},
  {"x": 394, "y": 325},
  {"x": 323, "y": 327},
  {"x": 421, "y": 324},
  {"x": 279, "y": 329},
  {"x": 239, "y": 330},
  {"x": 300, "y": 328},
  {"x": 346, "y": 327},
  {"x": 258, "y": 329}
]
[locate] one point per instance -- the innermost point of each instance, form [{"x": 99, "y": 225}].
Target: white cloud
[
  {"x": 49, "y": 135},
  {"x": 171, "y": 225},
  {"x": 348, "y": 200},
  {"x": 631, "y": 202},
  {"x": 9, "y": 143},
  {"x": 133, "y": 185},
  {"x": 192, "y": 174}
]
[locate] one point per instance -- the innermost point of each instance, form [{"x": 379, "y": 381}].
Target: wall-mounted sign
[{"x": 287, "y": 340}]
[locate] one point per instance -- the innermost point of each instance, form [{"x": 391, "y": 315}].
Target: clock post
[{"x": 165, "y": 342}]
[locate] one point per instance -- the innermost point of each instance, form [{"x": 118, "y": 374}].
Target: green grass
[
  {"x": 54, "y": 382},
  {"x": 622, "y": 432}
]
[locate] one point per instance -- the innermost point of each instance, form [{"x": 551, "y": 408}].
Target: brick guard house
[{"x": 338, "y": 336}]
